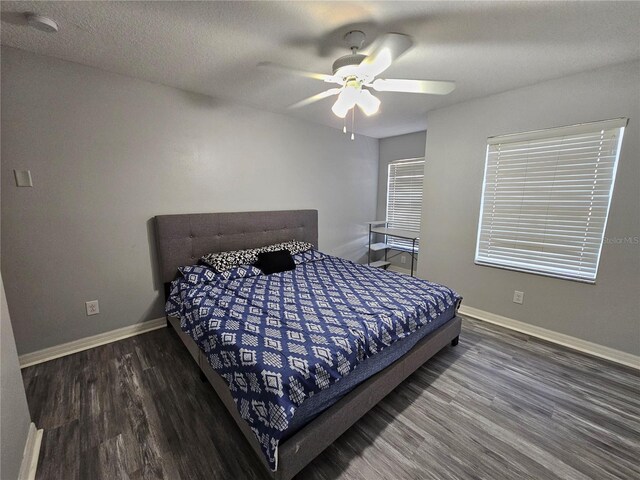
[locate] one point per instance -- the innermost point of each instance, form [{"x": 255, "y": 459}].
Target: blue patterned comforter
[{"x": 279, "y": 339}]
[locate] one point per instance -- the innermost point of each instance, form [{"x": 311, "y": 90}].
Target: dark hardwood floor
[{"x": 500, "y": 405}]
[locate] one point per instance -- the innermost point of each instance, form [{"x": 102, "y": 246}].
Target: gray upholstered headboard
[{"x": 183, "y": 239}]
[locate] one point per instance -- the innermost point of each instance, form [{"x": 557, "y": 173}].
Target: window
[
  {"x": 404, "y": 198},
  {"x": 546, "y": 198}
]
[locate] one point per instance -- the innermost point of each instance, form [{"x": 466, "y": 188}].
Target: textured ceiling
[{"x": 214, "y": 47}]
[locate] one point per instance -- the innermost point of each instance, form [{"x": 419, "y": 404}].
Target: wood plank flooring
[{"x": 500, "y": 405}]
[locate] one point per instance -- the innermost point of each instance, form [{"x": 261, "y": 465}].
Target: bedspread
[{"x": 279, "y": 339}]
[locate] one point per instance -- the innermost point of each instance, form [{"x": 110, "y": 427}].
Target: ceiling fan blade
[
  {"x": 299, "y": 73},
  {"x": 385, "y": 51},
  {"x": 433, "y": 87},
  {"x": 315, "y": 98}
]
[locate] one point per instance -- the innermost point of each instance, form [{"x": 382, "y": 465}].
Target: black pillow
[{"x": 274, "y": 262}]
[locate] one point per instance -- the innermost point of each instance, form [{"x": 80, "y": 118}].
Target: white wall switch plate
[
  {"x": 403, "y": 259},
  {"x": 23, "y": 178},
  {"x": 92, "y": 307},
  {"x": 518, "y": 297}
]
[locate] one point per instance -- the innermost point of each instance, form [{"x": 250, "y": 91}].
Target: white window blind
[
  {"x": 546, "y": 198},
  {"x": 404, "y": 198}
]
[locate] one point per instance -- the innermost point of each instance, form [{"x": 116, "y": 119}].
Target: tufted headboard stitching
[{"x": 183, "y": 239}]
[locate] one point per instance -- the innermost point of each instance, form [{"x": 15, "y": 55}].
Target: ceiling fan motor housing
[{"x": 344, "y": 65}]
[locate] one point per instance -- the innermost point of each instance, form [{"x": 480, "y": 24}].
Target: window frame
[{"x": 549, "y": 134}]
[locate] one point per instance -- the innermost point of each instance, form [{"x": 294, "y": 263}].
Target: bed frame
[{"x": 183, "y": 239}]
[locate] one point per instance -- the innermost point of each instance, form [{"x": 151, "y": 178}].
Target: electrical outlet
[
  {"x": 403, "y": 259},
  {"x": 92, "y": 307},
  {"x": 518, "y": 297},
  {"x": 23, "y": 178}
]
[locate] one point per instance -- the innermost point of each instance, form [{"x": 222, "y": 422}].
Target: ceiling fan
[{"x": 356, "y": 74}]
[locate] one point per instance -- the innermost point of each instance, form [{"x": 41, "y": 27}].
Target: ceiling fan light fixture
[
  {"x": 368, "y": 103},
  {"x": 339, "y": 110},
  {"x": 346, "y": 101}
]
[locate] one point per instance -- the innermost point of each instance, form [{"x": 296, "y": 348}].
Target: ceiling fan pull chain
[
  {"x": 353, "y": 121},
  {"x": 344, "y": 125}
]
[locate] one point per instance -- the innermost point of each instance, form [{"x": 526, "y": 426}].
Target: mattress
[{"x": 291, "y": 344}]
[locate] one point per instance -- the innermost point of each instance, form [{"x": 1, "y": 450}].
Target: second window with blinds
[
  {"x": 404, "y": 199},
  {"x": 546, "y": 199}
]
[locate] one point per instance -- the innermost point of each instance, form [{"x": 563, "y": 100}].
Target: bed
[{"x": 361, "y": 380}]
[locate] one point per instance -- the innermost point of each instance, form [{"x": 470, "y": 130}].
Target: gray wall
[
  {"x": 605, "y": 313},
  {"x": 108, "y": 152},
  {"x": 398, "y": 147},
  {"x": 14, "y": 413}
]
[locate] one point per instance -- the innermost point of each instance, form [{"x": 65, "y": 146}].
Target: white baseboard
[
  {"x": 31, "y": 453},
  {"x": 44, "y": 355},
  {"x": 585, "y": 346},
  {"x": 574, "y": 343}
]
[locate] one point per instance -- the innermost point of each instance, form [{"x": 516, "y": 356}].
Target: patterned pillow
[
  {"x": 224, "y": 261},
  {"x": 197, "y": 274},
  {"x": 308, "y": 256},
  {"x": 294, "y": 247}
]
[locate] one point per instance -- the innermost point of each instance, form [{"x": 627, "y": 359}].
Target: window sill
[{"x": 536, "y": 272}]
